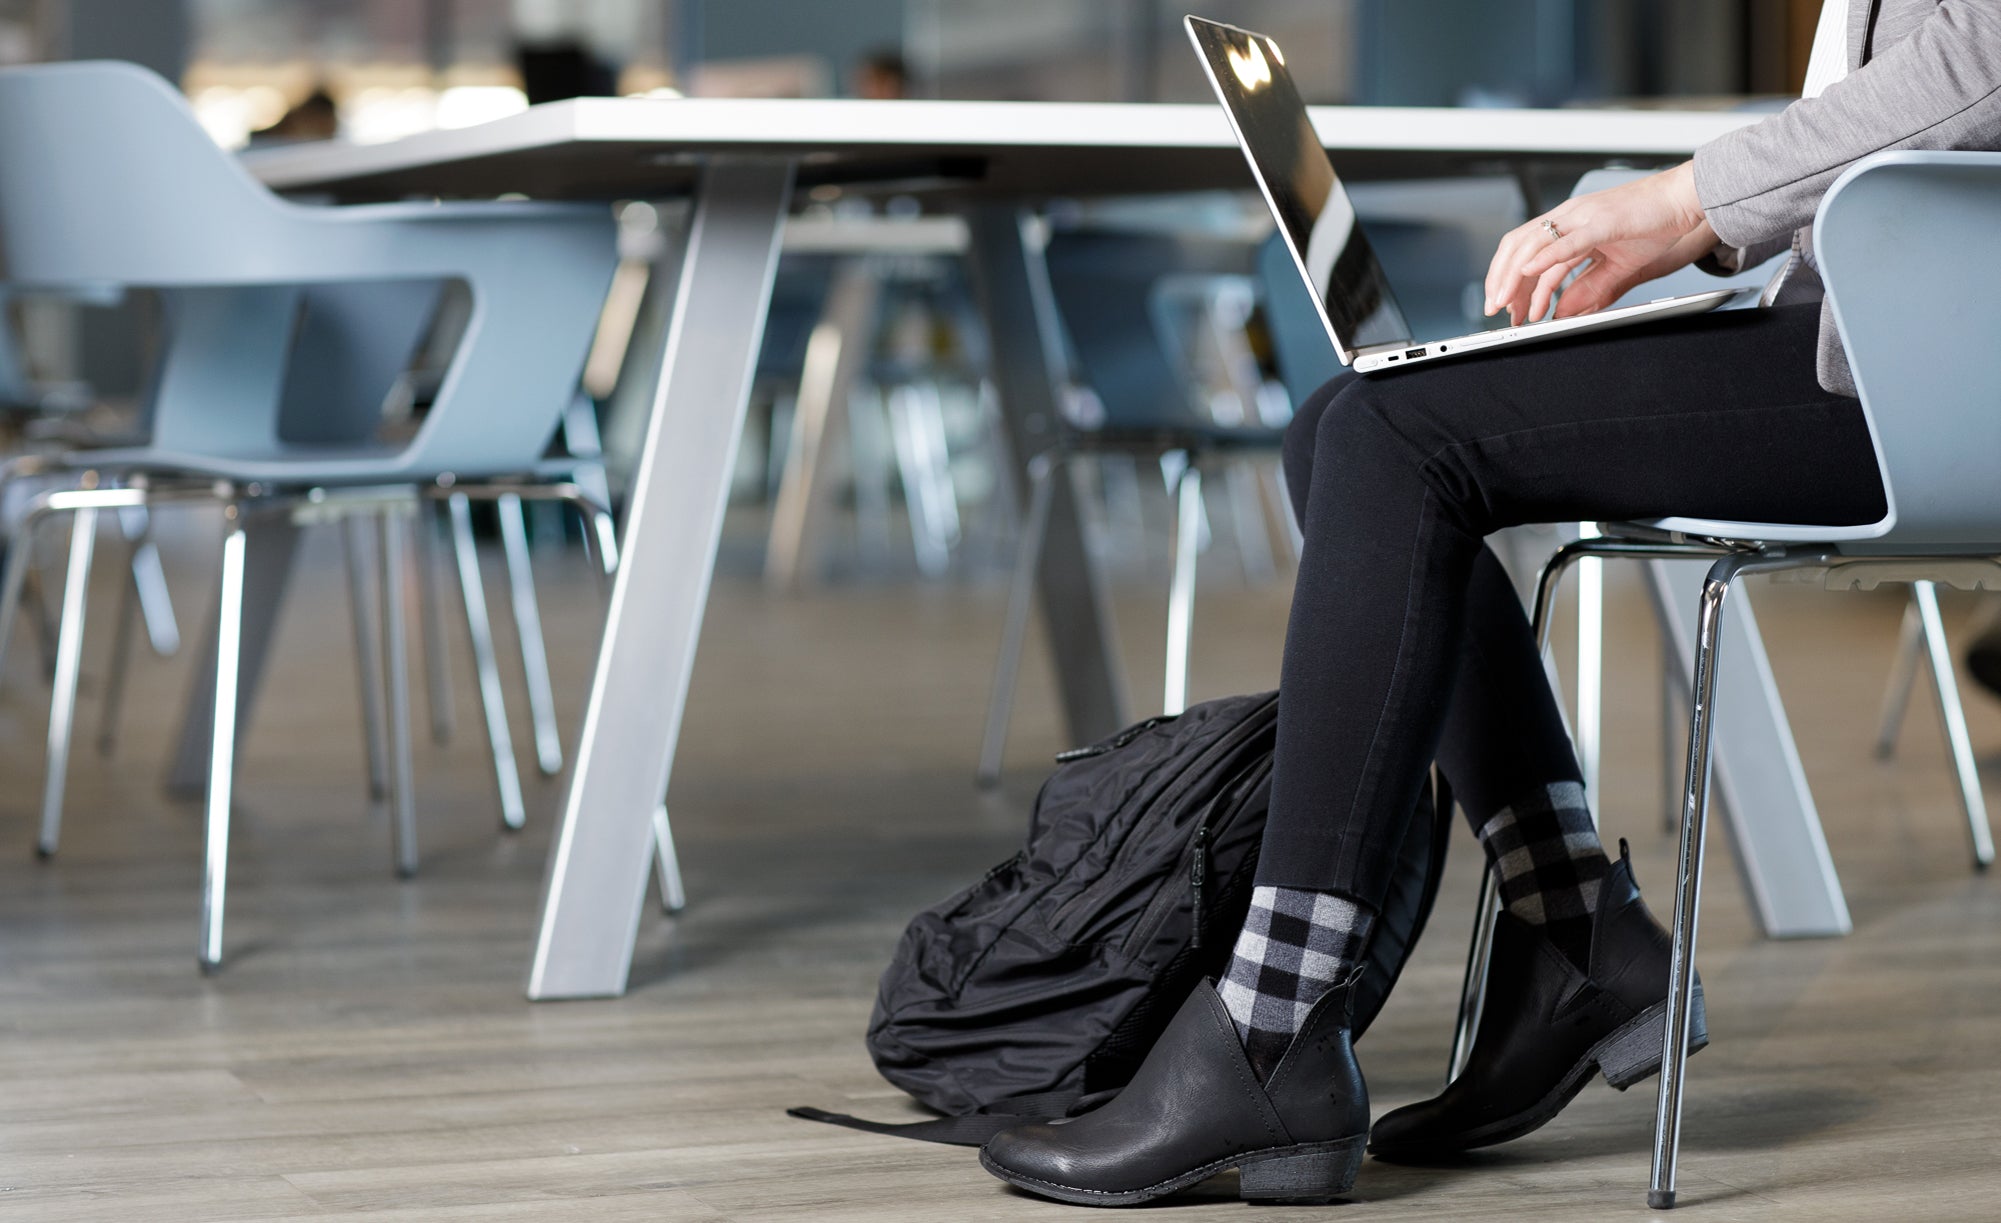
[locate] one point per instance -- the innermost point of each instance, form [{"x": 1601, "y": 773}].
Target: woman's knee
[
  {"x": 1302, "y": 433},
  {"x": 1375, "y": 430},
  {"x": 1356, "y": 422}
]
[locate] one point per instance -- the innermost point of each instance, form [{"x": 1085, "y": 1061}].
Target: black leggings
[{"x": 1407, "y": 641}]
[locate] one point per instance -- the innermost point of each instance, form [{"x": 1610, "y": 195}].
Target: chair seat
[
  {"x": 298, "y": 466},
  {"x": 1768, "y": 532}
]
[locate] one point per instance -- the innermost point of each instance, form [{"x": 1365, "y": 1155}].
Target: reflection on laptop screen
[{"x": 1285, "y": 153}]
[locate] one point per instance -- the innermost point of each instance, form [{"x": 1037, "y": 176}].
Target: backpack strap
[{"x": 974, "y": 1128}]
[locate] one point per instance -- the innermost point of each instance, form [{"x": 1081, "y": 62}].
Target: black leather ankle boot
[
  {"x": 1195, "y": 1109},
  {"x": 1545, "y": 1027}
]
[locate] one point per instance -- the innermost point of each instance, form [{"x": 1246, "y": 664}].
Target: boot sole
[
  {"x": 1310, "y": 1172},
  {"x": 1631, "y": 1054}
]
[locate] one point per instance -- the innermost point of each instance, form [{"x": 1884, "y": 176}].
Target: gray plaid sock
[
  {"x": 1547, "y": 852},
  {"x": 1295, "y": 944}
]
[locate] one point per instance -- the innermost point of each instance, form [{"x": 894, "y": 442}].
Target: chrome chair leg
[
  {"x": 583, "y": 440},
  {"x": 131, "y": 595},
  {"x": 19, "y": 563},
  {"x": 1672, "y": 702},
  {"x": 1014, "y": 630},
  {"x": 367, "y": 657},
  {"x": 1945, "y": 685},
  {"x": 937, "y": 465},
  {"x": 1473, "y": 987},
  {"x": 431, "y": 628},
  {"x": 927, "y": 536},
  {"x": 1590, "y": 666},
  {"x": 528, "y": 628},
  {"x": 1181, "y": 592},
  {"x": 45, "y": 627},
  {"x": 396, "y": 682},
  {"x": 1688, "y": 880},
  {"x": 1903, "y": 675},
  {"x": 222, "y": 742},
  {"x": 506, "y": 777},
  {"x": 145, "y": 594},
  {"x": 667, "y": 864},
  {"x": 149, "y": 581},
  {"x": 69, "y": 662},
  {"x": 605, "y": 531}
]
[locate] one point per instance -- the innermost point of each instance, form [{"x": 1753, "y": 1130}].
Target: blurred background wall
[{"x": 388, "y": 67}]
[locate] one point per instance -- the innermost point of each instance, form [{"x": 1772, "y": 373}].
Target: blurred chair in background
[
  {"x": 871, "y": 358},
  {"x": 105, "y": 178},
  {"x": 1106, "y": 287},
  {"x": 39, "y": 416}
]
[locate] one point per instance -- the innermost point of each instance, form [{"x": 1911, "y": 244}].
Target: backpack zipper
[
  {"x": 1198, "y": 872},
  {"x": 1201, "y": 864},
  {"x": 1116, "y": 742}
]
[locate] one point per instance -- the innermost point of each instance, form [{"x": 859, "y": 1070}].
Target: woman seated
[{"x": 1407, "y": 643}]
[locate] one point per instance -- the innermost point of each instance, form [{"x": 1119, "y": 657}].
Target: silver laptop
[{"x": 1317, "y": 220}]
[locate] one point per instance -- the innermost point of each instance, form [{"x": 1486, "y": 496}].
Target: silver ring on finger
[{"x": 1549, "y": 227}]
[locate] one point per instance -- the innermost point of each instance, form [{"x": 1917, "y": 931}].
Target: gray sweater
[{"x": 1923, "y": 74}]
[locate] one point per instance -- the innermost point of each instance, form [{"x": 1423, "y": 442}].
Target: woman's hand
[{"x": 1629, "y": 234}]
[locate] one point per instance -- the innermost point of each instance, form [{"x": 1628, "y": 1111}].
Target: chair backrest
[
  {"x": 1104, "y": 283},
  {"x": 1909, "y": 245},
  {"x": 106, "y": 176},
  {"x": 353, "y": 342}
]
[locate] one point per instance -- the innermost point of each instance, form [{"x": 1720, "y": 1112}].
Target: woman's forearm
[{"x": 1938, "y": 88}]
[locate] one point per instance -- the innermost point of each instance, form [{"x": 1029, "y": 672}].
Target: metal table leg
[
  {"x": 1012, "y": 285},
  {"x": 603, "y": 849}
]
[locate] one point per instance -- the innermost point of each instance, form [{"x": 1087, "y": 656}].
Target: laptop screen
[{"x": 1314, "y": 213}]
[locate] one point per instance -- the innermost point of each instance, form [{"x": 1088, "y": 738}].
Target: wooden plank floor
[{"x": 368, "y": 1051}]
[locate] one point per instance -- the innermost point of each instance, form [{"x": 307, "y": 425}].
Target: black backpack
[{"x": 1037, "y": 991}]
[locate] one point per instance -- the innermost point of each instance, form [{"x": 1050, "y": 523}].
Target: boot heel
[
  {"x": 1633, "y": 1053},
  {"x": 1314, "y": 1174}
]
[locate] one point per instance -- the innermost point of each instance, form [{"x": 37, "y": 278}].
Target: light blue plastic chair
[
  {"x": 107, "y": 180},
  {"x": 1907, "y": 243}
]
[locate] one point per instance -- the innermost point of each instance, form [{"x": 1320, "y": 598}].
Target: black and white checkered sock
[
  {"x": 1295, "y": 944},
  {"x": 1546, "y": 849}
]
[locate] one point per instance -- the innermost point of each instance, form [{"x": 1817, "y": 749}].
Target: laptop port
[{"x": 1413, "y": 353}]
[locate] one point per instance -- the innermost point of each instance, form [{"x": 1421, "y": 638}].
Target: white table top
[{"x": 625, "y": 147}]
